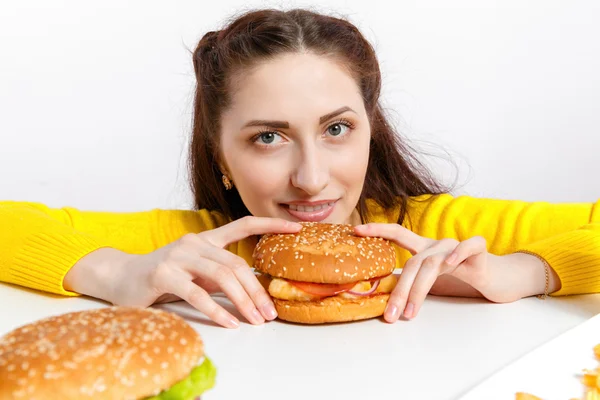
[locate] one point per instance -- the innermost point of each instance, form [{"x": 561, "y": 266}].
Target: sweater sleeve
[
  {"x": 566, "y": 235},
  {"x": 38, "y": 244},
  {"x": 575, "y": 256}
]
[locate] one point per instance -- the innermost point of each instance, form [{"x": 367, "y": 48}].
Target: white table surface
[
  {"x": 553, "y": 371},
  {"x": 452, "y": 345}
]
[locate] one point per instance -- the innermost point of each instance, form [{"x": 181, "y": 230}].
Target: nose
[{"x": 311, "y": 174}]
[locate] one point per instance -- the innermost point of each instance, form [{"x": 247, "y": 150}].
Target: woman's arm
[
  {"x": 527, "y": 271},
  {"x": 566, "y": 235},
  {"x": 39, "y": 245}
]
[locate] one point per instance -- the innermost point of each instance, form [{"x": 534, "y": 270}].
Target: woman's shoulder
[
  {"x": 415, "y": 206},
  {"x": 432, "y": 207},
  {"x": 411, "y": 205}
]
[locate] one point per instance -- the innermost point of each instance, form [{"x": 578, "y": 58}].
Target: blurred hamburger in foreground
[
  {"x": 325, "y": 273},
  {"x": 107, "y": 353}
]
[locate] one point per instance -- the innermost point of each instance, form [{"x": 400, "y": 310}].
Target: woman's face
[{"x": 295, "y": 140}]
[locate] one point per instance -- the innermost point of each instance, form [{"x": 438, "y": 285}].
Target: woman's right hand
[{"x": 190, "y": 268}]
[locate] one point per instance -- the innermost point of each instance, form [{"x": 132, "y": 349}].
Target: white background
[{"x": 95, "y": 97}]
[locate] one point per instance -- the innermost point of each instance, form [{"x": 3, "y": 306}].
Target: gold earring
[{"x": 226, "y": 182}]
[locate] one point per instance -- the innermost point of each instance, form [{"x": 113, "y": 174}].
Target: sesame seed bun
[
  {"x": 107, "y": 353},
  {"x": 331, "y": 309},
  {"x": 324, "y": 253}
]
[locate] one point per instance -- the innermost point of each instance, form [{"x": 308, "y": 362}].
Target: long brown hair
[{"x": 394, "y": 172}]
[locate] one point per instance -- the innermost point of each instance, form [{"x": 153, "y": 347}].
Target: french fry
[
  {"x": 527, "y": 396},
  {"x": 592, "y": 395},
  {"x": 597, "y": 351},
  {"x": 590, "y": 378}
]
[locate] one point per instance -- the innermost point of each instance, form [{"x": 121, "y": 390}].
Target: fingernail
[
  {"x": 257, "y": 317},
  {"x": 269, "y": 311},
  {"x": 294, "y": 225},
  {"x": 452, "y": 259},
  {"x": 408, "y": 311},
  {"x": 392, "y": 312},
  {"x": 233, "y": 323}
]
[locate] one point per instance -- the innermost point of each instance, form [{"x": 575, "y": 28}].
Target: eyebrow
[{"x": 286, "y": 125}]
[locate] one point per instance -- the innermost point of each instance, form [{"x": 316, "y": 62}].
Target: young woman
[{"x": 287, "y": 128}]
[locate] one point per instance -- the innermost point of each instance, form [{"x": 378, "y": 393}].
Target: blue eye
[
  {"x": 337, "y": 129},
  {"x": 267, "y": 138},
  {"x": 340, "y": 128}
]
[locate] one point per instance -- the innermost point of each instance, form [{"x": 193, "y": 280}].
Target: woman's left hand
[{"x": 451, "y": 266}]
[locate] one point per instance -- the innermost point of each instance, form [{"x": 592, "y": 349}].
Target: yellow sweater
[{"x": 39, "y": 244}]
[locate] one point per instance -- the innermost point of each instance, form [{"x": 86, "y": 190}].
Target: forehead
[{"x": 293, "y": 85}]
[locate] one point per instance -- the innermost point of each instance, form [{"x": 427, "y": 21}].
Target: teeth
[{"x": 310, "y": 208}]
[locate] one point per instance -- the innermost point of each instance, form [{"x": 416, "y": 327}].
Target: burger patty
[{"x": 284, "y": 290}]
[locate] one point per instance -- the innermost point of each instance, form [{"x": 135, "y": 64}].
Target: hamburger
[
  {"x": 325, "y": 273},
  {"x": 108, "y": 353}
]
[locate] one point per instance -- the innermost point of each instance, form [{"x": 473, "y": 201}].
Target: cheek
[
  {"x": 351, "y": 165},
  {"x": 258, "y": 180}
]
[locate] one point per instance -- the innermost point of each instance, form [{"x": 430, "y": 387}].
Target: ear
[
  {"x": 224, "y": 172},
  {"x": 223, "y": 168}
]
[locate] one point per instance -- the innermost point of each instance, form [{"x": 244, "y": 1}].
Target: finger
[
  {"x": 399, "y": 296},
  {"x": 248, "y": 226},
  {"x": 248, "y": 280},
  {"x": 257, "y": 292},
  {"x": 398, "y": 234},
  {"x": 428, "y": 273},
  {"x": 198, "y": 298},
  {"x": 229, "y": 284},
  {"x": 466, "y": 249}
]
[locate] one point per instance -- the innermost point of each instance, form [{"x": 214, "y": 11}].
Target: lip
[
  {"x": 310, "y": 216},
  {"x": 310, "y": 203}
]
